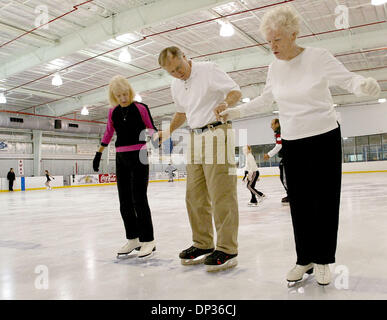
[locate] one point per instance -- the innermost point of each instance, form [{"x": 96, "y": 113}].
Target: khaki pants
[{"x": 212, "y": 189}]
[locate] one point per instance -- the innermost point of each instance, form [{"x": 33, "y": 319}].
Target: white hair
[{"x": 280, "y": 18}]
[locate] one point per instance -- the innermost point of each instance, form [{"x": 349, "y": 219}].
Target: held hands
[
  {"x": 96, "y": 161},
  {"x": 230, "y": 114},
  {"x": 370, "y": 87},
  {"x": 161, "y": 136}
]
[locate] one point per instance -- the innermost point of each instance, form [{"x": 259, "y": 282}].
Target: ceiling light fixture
[
  {"x": 246, "y": 100},
  {"x": 57, "y": 80},
  {"x": 275, "y": 111},
  {"x": 125, "y": 56},
  {"x": 226, "y": 29},
  {"x": 378, "y": 2},
  {"x": 3, "y": 99},
  {"x": 84, "y": 111},
  {"x": 383, "y": 100}
]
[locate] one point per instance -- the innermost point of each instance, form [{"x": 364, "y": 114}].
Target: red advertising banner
[{"x": 107, "y": 178}]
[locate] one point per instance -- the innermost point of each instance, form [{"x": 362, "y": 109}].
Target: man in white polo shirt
[{"x": 200, "y": 91}]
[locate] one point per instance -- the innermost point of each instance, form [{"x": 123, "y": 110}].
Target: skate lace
[
  {"x": 190, "y": 250},
  {"x": 218, "y": 255}
]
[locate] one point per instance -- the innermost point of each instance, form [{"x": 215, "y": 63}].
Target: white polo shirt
[
  {"x": 251, "y": 164},
  {"x": 201, "y": 93}
]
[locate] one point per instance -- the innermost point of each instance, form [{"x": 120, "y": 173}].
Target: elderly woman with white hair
[
  {"x": 298, "y": 80},
  {"x": 129, "y": 119}
]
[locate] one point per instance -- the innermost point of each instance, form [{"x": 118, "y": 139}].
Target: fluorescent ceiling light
[
  {"x": 345, "y": 138},
  {"x": 335, "y": 104},
  {"x": 138, "y": 98},
  {"x": 246, "y": 100},
  {"x": 3, "y": 99},
  {"x": 383, "y": 100},
  {"x": 275, "y": 111},
  {"x": 125, "y": 56},
  {"x": 84, "y": 111},
  {"x": 378, "y": 2},
  {"x": 57, "y": 80},
  {"x": 226, "y": 29}
]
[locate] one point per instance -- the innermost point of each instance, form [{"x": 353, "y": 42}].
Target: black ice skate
[
  {"x": 297, "y": 273},
  {"x": 219, "y": 260}
]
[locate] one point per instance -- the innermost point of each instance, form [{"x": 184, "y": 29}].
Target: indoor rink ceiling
[{"x": 82, "y": 44}]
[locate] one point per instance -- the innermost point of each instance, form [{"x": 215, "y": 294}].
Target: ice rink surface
[{"x": 62, "y": 244}]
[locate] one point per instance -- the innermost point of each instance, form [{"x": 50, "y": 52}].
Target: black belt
[{"x": 209, "y": 126}]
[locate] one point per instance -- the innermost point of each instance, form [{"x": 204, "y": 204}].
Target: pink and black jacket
[
  {"x": 278, "y": 140},
  {"x": 129, "y": 123}
]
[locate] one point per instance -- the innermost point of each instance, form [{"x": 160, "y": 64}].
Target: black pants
[
  {"x": 251, "y": 186},
  {"x": 313, "y": 172},
  {"x": 10, "y": 187},
  {"x": 132, "y": 184},
  {"x": 283, "y": 175}
]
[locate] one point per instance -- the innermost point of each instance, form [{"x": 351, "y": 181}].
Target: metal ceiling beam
[
  {"x": 112, "y": 61},
  {"x": 121, "y": 23}
]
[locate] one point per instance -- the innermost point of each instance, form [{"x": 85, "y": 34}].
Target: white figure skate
[{"x": 297, "y": 273}]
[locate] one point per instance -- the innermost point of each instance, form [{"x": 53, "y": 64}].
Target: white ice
[{"x": 62, "y": 244}]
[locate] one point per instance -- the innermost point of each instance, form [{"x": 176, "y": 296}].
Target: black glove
[{"x": 96, "y": 161}]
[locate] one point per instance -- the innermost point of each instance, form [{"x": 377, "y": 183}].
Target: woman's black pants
[{"x": 251, "y": 186}]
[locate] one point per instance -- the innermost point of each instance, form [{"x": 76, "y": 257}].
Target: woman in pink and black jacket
[{"x": 129, "y": 119}]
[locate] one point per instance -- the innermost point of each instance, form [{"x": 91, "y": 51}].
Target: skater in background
[
  {"x": 11, "y": 179},
  {"x": 129, "y": 119},
  {"x": 47, "y": 183},
  {"x": 252, "y": 177},
  {"x": 275, "y": 125},
  {"x": 200, "y": 91},
  {"x": 246, "y": 174},
  {"x": 298, "y": 80},
  {"x": 170, "y": 170}
]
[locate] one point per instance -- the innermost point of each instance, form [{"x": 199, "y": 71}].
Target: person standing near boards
[
  {"x": 298, "y": 80},
  {"x": 11, "y": 179},
  {"x": 129, "y": 119}
]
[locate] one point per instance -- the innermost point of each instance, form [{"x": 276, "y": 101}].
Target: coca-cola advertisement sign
[{"x": 107, "y": 178}]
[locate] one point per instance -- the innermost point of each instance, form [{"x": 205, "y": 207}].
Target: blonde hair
[
  {"x": 122, "y": 83},
  {"x": 167, "y": 53},
  {"x": 280, "y": 18}
]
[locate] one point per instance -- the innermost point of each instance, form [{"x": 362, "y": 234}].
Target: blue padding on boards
[
  {"x": 23, "y": 184},
  {"x": 167, "y": 146}
]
